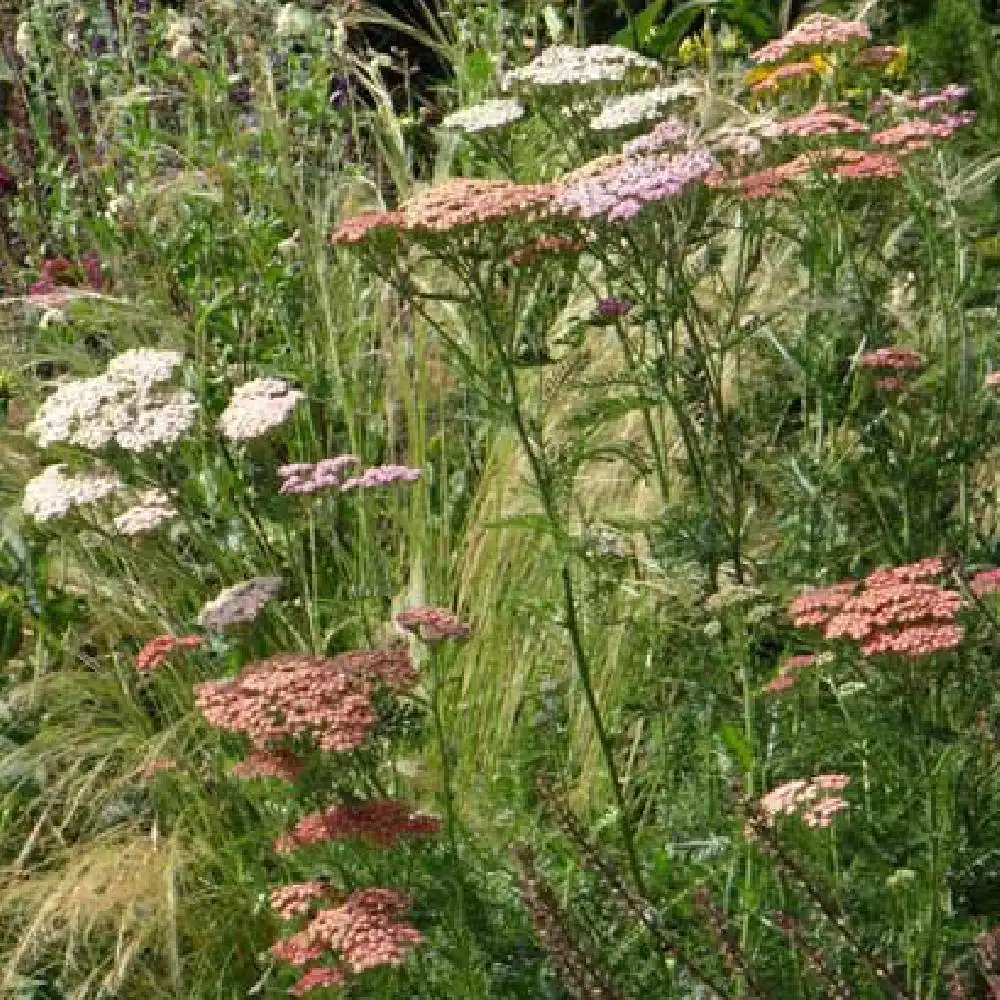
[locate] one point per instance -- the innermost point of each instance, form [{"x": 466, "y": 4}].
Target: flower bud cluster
[{"x": 432, "y": 624}]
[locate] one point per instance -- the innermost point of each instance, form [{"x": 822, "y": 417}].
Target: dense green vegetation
[{"x": 486, "y": 515}]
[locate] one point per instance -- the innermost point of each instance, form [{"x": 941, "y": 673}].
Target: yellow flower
[
  {"x": 897, "y": 67},
  {"x": 757, "y": 74}
]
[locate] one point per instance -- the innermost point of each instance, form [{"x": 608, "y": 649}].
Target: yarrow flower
[
  {"x": 367, "y": 931},
  {"x": 484, "y": 117},
  {"x": 620, "y": 192},
  {"x": 544, "y": 247},
  {"x": 992, "y": 380},
  {"x": 58, "y": 272},
  {"x": 380, "y": 822},
  {"x": 154, "y": 508},
  {"x": 666, "y": 133},
  {"x": 321, "y": 977},
  {"x": 297, "y": 899},
  {"x": 820, "y": 120},
  {"x": 455, "y": 205},
  {"x": 917, "y": 133},
  {"x": 896, "y": 611},
  {"x": 893, "y": 359},
  {"x": 123, "y": 406},
  {"x": 788, "y": 673},
  {"x": 986, "y": 581},
  {"x": 816, "y": 31},
  {"x": 155, "y": 652},
  {"x": 931, "y": 99},
  {"x": 52, "y": 493},
  {"x": 258, "y": 407},
  {"x": 288, "y": 696},
  {"x": 760, "y": 80},
  {"x": 633, "y": 109},
  {"x": 808, "y": 799},
  {"x": 382, "y": 475},
  {"x": 302, "y": 477},
  {"x": 611, "y": 307},
  {"x": 432, "y": 624},
  {"x": 280, "y": 764},
  {"x": 569, "y": 66},
  {"x": 240, "y": 603}
]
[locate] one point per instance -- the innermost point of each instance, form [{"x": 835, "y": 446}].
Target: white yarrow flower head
[
  {"x": 144, "y": 368},
  {"x": 484, "y": 117},
  {"x": 630, "y": 110},
  {"x": 242, "y": 602},
  {"x": 153, "y": 509},
  {"x": 257, "y": 407},
  {"x": 52, "y": 493},
  {"x": 121, "y": 406},
  {"x": 569, "y": 66}
]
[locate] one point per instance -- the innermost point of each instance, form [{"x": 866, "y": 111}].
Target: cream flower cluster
[
  {"x": 153, "y": 509},
  {"x": 257, "y": 407},
  {"x": 569, "y": 66},
  {"x": 52, "y": 493},
  {"x": 127, "y": 405},
  {"x": 484, "y": 117},
  {"x": 643, "y": 105}
]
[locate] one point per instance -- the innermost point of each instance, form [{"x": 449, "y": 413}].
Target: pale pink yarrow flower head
[
  {"x": 302, "y": 477},
  {"x": 382, "y": 475},
  {"x": 153, "y": 510},
  {"x": 240, "y": 603}
]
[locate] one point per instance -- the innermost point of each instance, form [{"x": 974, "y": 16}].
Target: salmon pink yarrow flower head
[
  {"x": 788, "y": 671},
  {"x": 367, "y": 930},
  {"x": 302, "y": 477},
  {"x": 242, "y": 602},
  {"x": 895, "y": 612},
  {"x": 986, "y": 581},
  {"x": 815, "y": 606},
  {"x": 289, "y": 696},
  {"x": 893, "y": 358},
  {"x": 992, "y": 380},
  {"x": 817, "y": 31},
  {"x": 917, "y": 133},
  {"x": 297, "y": 899},
  {"x": 432, "y": 624},
  {"x": 789, "y": 71},
  {"x": 821, "y": 120},
  {"x": 322, "y": 977},
  {"x": 258, "y": 407},
  {"x": 280, "y": 764},
  {"x": 154, "y": 654},
  {"x": 381, "y": 823},
  {"x": 808, "y": 799},
  {"x": 392, "y": 667},
  {"x": 53, "y": 493}
]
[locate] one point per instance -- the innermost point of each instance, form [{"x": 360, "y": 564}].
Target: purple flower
[
  {"x": 620, "y": 191},
  {"x": 302, "y": 477},
  {"x": 935, "y": 98},
  {"x": 612, "y": 308},
  {"x": 382, "y": 475}
]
